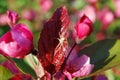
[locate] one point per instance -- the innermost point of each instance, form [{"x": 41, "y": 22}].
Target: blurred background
[{"x": 105, "y": 15}]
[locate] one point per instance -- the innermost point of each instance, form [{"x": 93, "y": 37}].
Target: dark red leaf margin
[{"x": 52, "y": 44}]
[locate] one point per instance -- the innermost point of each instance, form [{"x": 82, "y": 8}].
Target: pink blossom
[
  {"x": 45, "y": 5},
  {"x": 12, "y": 18},
  {"x": 17, "y": 42},
  {"x": 77, "y": 66},
  {"x": 117, "y": 7},
  {"x": 11, "y": 67},
  {"x": 28, "y": 14},
  {"x": 3, "y": 19},
  {"x": 106, "y": 17},
  {"x": 83, "y": 28},
  {"x": 88, "y": 9}
]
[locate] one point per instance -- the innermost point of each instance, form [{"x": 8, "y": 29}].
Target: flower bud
[
  {"x": 29, "y": 14},
  {"x": 106, "y": 17},
  {"x": 3, "y": 19},
  {"x": 45, "y": 5},
  {"x": 12, "y": 18},
  {"x": 17, "y": 42},
  {"x": 83, "y": 28}
]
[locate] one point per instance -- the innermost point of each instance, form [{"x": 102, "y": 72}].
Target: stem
[
  {"x": 63, "y": 65},
  {"x": 70, "y": 52},
  {"x": 76, "y": 78},
  {"x": 34, "y": 52}
]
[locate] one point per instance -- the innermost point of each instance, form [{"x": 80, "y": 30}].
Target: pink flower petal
[
  {"x": 83, "y": 28},
  {"x": 85, "y": 70},
  {"x": 78, "y": 66},
  {"x": 68, "y": 75},
  {"x": 17, "y": 42}
]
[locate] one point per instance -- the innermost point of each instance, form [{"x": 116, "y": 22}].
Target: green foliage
[
  {"x": 5, "y": 74},
  {"x": 115, "y": 25},
  {"x": 23, "y": 65},
  {"x": 3, "y": 6},
  {"x": 3, "y": 30},
  {"x": 2, "y": 58},
  {"x": 20, "y": 4},
  {"x": 103, "y": 54},
  {"x": 78, "y": 4},
  {"x": 97, "y": 26},
  {"x": 117, "y": 77},
  {"x": 108, "y": 3}
]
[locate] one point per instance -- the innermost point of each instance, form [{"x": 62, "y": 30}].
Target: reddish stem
[
  {"x": 70, "y": 52},
  {"x": 63, "y": 65}
]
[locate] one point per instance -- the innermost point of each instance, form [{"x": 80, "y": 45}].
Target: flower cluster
[{"x": 56, "y": 59}]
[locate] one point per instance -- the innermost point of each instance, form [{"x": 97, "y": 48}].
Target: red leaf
[{"x": 52, "y": 43}]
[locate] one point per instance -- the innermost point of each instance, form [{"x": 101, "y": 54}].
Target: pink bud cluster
[{"x": 18, "y": 42}]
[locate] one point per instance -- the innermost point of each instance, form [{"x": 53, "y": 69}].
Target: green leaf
[
  {"x": 4, "y": 29},
  {"x": 117, "y": 77},
  {"x": 5, "y": 74},
  {"x": 24, "y": 66},
  {"x": 3, "y": 6},
  {"x": 2, "y": 58},
  {"x": 97, "y": 26},
  {"x": 103, "y": 54},
  {"x": 113, "y": 26},
  {"x": 31, "y": 60},
  {"x": 111, "y": 5},
  {"x": 110, "y": 75}
]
